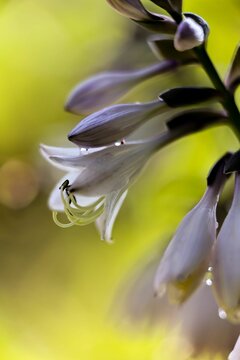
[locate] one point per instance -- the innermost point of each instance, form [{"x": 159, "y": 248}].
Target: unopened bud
[{"x": 189, "y": 35}]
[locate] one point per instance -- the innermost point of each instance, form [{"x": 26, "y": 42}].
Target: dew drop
[
  {"x": 119, "y": 143},
  {"x": 222, "y": 314},
  {"x": 209, "y": 282},
  {"x": 84, "y": 150}
]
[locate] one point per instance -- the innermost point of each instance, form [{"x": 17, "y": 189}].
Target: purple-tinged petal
[
  {"x": 186, "y": 258},
  {"x": 132, "y": 9},
  {"x": 114, "y": 123},
  {"x": 105, "y": 88}
]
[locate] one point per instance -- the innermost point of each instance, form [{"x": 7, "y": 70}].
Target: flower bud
[
  {"x": 113, "y": 123},
  {"x": 225, "y": 260},
  {"x": 105, "y": 88},
  {"x": 189, "y": 35},
  {"x": 186, "y": 258}
]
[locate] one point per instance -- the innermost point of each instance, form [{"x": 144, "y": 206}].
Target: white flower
[
  {"x": 186, "y": 258},
  {"x": 97, "y": 180},
  {"x": 226, "y": 260}
]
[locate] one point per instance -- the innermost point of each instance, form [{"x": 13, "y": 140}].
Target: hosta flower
[
  {"x": 189, "y": 35},
  {"x": 225, "y": 261},
  {"x": 97, "y": 180},
  {"x": 105, "y": 88},
  {"x": 114, "y": 123},
  {"x": 186, "y": 258}
]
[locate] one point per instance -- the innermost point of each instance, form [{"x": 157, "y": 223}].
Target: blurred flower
[
  {"x": 114, "y": 123},
  {"x": 225, "y": 261},
  {"x": 106, "y": 88},
  {"x": 19, "y": 184},
  {"x": 189, "y": 35},
  {"x": 186, "y": 258}
]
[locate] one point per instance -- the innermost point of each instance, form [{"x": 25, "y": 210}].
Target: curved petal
[
  {"x": 186, "y": 258},
  {"x": 225, "y": 261},
  {"x": 105, "y": 222},
  {"x": 49, "y": 151}
]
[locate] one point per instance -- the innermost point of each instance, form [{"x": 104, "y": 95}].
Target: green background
[{"x": 64, "y": 294}]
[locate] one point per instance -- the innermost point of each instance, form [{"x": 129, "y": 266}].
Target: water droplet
[
  {"x": 222, "y": 314},
  {"x": 119, "y": 143},
  {"x": 209, "y": 282},
  {"x": 210, "y": 269},
  {"x": 83, "y": 150}
]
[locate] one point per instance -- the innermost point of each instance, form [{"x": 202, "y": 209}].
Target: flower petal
[
  {"x": 105, "y": 222},
  {"x": 49, "y": 151},
  {"x": 225, "y": 261},
  {"x": 186, "y": 258},
  {"x": 185, "y": 261}
]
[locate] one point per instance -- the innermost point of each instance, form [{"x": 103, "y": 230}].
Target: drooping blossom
[
  {"x": 225, "y": 260},
  {"x": 185, "y": 260}
]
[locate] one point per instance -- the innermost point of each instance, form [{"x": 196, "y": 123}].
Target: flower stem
[{"x": 228, "y": 101}]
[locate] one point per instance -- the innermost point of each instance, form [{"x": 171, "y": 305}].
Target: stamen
[{"x": 75, "y": 213}]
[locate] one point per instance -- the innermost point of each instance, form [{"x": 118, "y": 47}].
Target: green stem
[{"x": 228, "y": 101}]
